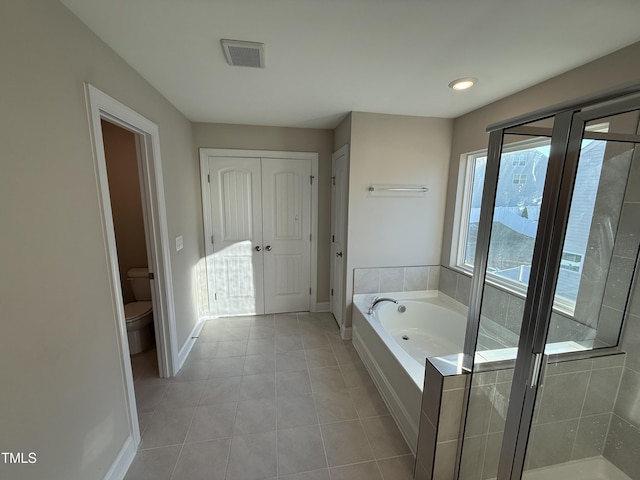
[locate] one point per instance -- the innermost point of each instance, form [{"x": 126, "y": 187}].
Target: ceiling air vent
[{"x": 243, "y": 54}]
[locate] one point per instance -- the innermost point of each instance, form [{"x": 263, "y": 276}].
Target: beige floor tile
[
  {"x": 368, "y": 402},
  {"x": 293, "y": 383},
  {"x": 346, "y": 443},
  {"x": 254, "y": 364},
  {"x": 385, "y": 437},
  {"x": 167, "y": 428},
  {"x": 203, "y": 461},
  {"x": 356, "y": 376},
  {"x": 253, "y": 457},
  {"x": 193, "y": 370},
  {"x": 182, "y": 394},
  {"x": 314, "y": 340},
  {"x": 203, "y": 351},
  {"x": 288, "y": 342},
  {"x": 262, "y": 385},
  {"x": 232, "y": 348},
  {"x": 255, "y": 416},
  {"x": 360, "y": 471},
  {"x": 148, "y": 397},
  {"x": 226, "y": 367},
  {"x": 296, "y": 411},
  {"x": 155, "y": 464},
  {"x": 397, "y": 468},
  {"x": 219, "y": 390},
  {"x": 261, "y": 346},
  {"x": 327, "y": 379},
  {"x": 262, "y": 332},
  {"x": 300, "y": 450},
  {"x": 212, "y": 421},
  {"x": 291, "y": 361},
  {"x": 322, "y": 474},
  {"x": 334, "y": 406},
  {"x": 320, "y": 357}
]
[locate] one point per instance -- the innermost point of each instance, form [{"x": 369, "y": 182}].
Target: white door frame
[
  {"x": 205, "y": 153},
  {"x": 103, "y": 107}
]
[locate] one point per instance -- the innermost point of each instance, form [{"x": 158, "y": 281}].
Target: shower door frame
[{"x": 566, "y": 137}]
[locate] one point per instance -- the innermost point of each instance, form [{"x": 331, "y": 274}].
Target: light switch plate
[{"x": 179, "y": 243}]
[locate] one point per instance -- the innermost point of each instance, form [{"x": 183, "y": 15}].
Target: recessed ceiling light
[{"x": 463, "y": 83}]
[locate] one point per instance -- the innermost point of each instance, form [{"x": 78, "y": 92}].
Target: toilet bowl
[{"x": 139, "y": 314}]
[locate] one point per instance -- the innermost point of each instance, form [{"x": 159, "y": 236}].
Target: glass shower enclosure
[{"x": 553, "y": 337}]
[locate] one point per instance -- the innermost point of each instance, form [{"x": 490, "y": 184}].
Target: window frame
[{"x": 461, "y": 223}]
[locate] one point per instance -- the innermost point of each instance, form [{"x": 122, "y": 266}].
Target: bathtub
[{"x": 394, "y": 346}]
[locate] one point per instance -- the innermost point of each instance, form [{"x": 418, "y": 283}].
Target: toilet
[{"x": 138, "y": 314}]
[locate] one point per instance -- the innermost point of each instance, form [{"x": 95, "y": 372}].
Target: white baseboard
[
  {"x": 123, "y": 461},
  {"x": 345, "y": 332},
  {"x": 188, "y": 345},
  {"x": 321, "y": 307}
]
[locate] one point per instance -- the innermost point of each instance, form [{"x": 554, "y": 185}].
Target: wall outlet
[{"x": 179, "y": 243}]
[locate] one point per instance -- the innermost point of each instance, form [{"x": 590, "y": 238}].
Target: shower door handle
[{"x": 539, "y": 361}]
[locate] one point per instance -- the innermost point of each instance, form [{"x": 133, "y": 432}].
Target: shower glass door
[
  {"x": 577, "y": 392},
  {"x": 551, "y": 289}
]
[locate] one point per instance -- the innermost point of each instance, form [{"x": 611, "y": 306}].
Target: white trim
[
  {"x": 188, "y": 345},
  {"x": 123, "y": 461},
  {"x": 322, "y": 307},
  {"x": 205, "y": 153},
  {"x": 101, "y": 106},
  {"x": 345, "y": 332}
]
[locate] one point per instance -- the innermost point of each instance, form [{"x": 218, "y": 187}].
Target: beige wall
[
  {"x": 384, "y": 231},
  {"x": 62, "y": 379},
  {"x": 469, "y": 132},
  {"x": 250, "y": 137},
  {"x": 126, "y": 202}
]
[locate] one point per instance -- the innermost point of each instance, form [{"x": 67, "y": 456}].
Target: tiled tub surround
[
  {"x": 440, "y": 418},
  {"x": 502, "y": 312},
  {"x": 395, "y": 279},
  {"x": 571, "y": 419},
  {"x": 266, "y": 397},
  {"x": 434, "y": 325}
]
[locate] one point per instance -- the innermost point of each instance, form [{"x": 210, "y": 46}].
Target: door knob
[
  {"x": 258, "y": 248},
  {"x": 338, "y": 254},
  {"x": 268, "y": 248}
]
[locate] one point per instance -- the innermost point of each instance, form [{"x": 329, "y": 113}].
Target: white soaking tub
[{"x": 395, "y": 345}]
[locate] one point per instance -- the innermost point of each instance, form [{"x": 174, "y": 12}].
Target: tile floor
[{"x": 266, "y": 397}]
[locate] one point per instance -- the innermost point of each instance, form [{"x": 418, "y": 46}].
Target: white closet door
[
  {"x": 339, "y": 188},
  {"x": 286, "y": 228},
  {"x": 236, "y": 216}
]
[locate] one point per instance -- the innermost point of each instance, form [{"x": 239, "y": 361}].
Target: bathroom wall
[
  {"x": 126, "y": 201},
  {"x": 387, "y": 231},
  {"x": 62, "y": 382},
  {"x": 252, "y": 137}
]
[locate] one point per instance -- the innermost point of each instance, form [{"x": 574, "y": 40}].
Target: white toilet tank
[{"x": 140, "y": 283}]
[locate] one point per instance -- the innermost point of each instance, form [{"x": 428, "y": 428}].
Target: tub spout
[{"x": 377, "y": 300}]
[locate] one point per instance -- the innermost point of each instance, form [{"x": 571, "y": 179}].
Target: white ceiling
[{"x": 328, "y": 57}]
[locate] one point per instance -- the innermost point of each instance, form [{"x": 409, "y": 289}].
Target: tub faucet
[{"x": 377, "y": 300}]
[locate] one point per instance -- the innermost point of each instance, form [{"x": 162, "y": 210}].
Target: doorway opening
[{"x": 106, "y": 111}]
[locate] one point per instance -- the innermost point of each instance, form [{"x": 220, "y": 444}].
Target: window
[
  {"x": 516, "y": 213},
  {"x": 519, "y": 178}
]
